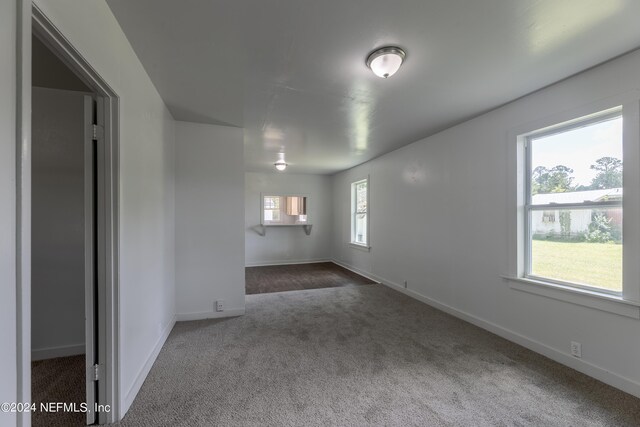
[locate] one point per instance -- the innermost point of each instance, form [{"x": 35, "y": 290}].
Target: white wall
[
  {"x": 8, "y": 312},
  {"x": 283, "y": 245},
  {"x": 57, "y": 223},
  {"x": 146, "y": 190},
  {"x": 209, "y": 218},
  {"x": 427, "y": 201}
]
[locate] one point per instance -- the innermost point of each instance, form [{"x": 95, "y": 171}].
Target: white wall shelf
[{"x": 262, "y": 228}]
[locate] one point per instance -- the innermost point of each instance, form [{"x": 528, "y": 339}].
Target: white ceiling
[{"x": 292, "y": 72}]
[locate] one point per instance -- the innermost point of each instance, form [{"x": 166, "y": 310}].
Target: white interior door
[
  {"x": 95, "y": 258},
  {"x": 91, "y": 256},
  {"x": 100, "y": 298}
]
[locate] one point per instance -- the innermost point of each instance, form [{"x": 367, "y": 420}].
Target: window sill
[
  {"x": 297, "y": 224},
  {"x": 360, "y": 247},
  {"x": 609, "y": 303}
]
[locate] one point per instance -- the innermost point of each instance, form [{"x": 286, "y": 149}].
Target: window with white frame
[
  {"x": 271, "y": 212},
  {"x": 359, "y": 212},
  {"x": 573, "y": 203}
]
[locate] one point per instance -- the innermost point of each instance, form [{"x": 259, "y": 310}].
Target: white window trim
[
  {"x": 360, "y": 246},
  {"x": 626, "y": 304},
  {"x": 587, "y": 298},
  {"x": 355, "y": 245}
]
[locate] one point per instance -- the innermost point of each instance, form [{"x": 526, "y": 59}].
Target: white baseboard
[
  {"x": 601, "y": 374},
  {"x": 287, "y": 262},
  {"x": 183, "y": 317},
  {"x": 61, "y": 351},
  {"x": 144, "y": 371},
  {"x": 357, "y": 271}
]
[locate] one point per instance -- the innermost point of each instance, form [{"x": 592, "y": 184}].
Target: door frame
[{"x": 31, "y": 20}]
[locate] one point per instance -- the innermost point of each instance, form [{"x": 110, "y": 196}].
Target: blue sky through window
[{"x": 579, "y": 148}]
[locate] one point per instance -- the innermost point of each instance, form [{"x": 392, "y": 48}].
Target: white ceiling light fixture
[
  {"x": 281, "y": 164},
  {"x": 386, "y": 61}
]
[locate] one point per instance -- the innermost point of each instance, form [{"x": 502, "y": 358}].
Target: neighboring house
[{"x": 547, "y": 222}]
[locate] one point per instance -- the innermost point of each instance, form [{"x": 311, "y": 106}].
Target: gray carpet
[
  {"x": 58, "y": 380},
  {"x": 298, "y": 277},
  {"x": 359, "y": 356}
]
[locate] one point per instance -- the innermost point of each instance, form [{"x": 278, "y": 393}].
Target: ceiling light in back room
[
  {"x": 386, "y": 61},
  {"x": 280, "y": 165}
]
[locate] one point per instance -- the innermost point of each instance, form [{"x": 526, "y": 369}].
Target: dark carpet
[
  {"x": 58, "y": 380},
  {"x": 362, "y": 356},
  {"x": 297, "y": 277}
]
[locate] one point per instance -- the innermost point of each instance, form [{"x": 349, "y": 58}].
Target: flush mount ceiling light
[
  {"x": 386, "y": 61},
  {"x": 280, "y": 165}
]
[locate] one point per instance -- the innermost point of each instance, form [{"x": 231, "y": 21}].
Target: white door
[
  {"x": 91, "y": 256},
  {"x": 95, "y": 258}
]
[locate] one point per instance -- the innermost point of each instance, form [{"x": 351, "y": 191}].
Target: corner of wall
[{"x": 209, "y": 239}]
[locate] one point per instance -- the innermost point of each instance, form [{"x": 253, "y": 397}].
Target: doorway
[
  {"x": 61, "y": 345},
  {"x": 73, "y": 245}
]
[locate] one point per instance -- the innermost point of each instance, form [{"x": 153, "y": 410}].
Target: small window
[
  {"x": 272, "y": 209},
  {"x": 359, "y": 213},
  {"x": 573, "y": 203},
  {"x": 549, "y": 217}
]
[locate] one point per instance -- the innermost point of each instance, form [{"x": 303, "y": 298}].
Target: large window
[
  {"x": 573, "y": 203},
  {"x": 359, "y": 213}
]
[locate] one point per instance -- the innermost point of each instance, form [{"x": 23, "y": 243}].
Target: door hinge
[
  {"x": 98, "y": 132},
  {"x": 97, "y": 372}
]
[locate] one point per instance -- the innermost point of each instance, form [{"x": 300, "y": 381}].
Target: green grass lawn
[{"x": 595, "y": 264}]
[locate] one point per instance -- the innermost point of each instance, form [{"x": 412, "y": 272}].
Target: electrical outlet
[
  {"x": 220, "y": 305},
  {"x": 576, "y": 349}
]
